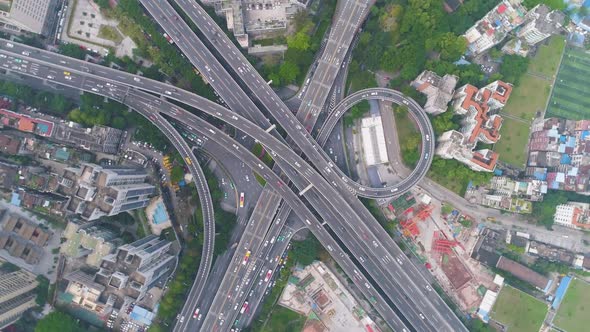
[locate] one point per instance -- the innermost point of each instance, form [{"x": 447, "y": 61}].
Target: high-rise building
[
  {"x": 540, "y": 23},
  {"x": 438, "y": 90},
  {"x": 136, "y": 267},
  {"x": 17, "y": 294},
  {"x": 98, "y": 191},
  {"x": 479, "y": 108},
  {"x": 37, "y": 16}
]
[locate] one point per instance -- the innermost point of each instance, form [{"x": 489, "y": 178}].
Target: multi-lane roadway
[{"x": 291, "y": 160}]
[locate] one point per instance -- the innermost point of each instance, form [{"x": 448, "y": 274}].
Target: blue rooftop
[
  {"x": 142, "y": 315},
  {"x": 15, "y": 199},
  {"x": 565, "y": 159},
  {"x": 559, "y": 294}
]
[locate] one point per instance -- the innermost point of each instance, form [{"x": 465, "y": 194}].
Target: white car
[{"x": 168, "y": 92}]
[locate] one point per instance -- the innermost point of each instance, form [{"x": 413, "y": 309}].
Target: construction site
[{"x": 442, "y": 238}]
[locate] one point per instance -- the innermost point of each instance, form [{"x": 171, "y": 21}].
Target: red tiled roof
[
  {"x": 25, "y": 124},
  {"x": 482, "y": 108},
  {"x": 502, "y": 8},
  {"x": 502, "y": 97},
  {"x": 487, "y": 162}
]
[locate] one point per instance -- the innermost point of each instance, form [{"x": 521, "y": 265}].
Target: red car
[
  {"x": 196, "y": 314},
  {"x": 268, "y": 275}
]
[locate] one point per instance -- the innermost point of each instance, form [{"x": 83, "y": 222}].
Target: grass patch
[
  {"x": 528, "y": 98},
  {"x": 512, "y": 144},
  {"x": 519, "y": 311},
  {"x": 259, "y": 151},
  {"x": 110, "y": 33},
  {"x": 570, "y": 95},
  {"x": 408, "y": 135},
  {"x": 572, "y": 314},
  {"x": 260, "y": 179},
  {"x": 546, "y": 61},
  {"x": 283, "y": 319}
]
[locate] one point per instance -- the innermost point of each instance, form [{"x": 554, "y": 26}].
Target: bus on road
[{"x": 241, "y": 200}]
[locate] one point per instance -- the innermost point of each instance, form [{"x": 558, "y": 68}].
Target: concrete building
[
  {"x": 506, "y": 194},
  {"x": 88, "y": 240},
  {"x": 495, "y": 26},
  {"x": 479, "y": 108},
  {"x": 84, "y": 291},
  {"x": 256, "y": 18},
  {"x": 17, "y": 295},
  {"x": 540, "y": 23},
  {"x": 97, "y": 139},
  {"x": 136, "y": 267},
  {"x": 373, "y": 141},
  {"x": 37, "y": 16},
  {"x": 524, "y": 273},
  {"x": 438, "y": 90},
  {"x": 9, "y": 144},
  {"x": 559, "y": 153},
  {"x": 22, "y": 238},
  {"x": 98, "y": 191},
  {"x": 573, "y": 214}
]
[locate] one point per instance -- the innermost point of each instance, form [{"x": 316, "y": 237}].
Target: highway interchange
[{"x": 342, "y": 213}]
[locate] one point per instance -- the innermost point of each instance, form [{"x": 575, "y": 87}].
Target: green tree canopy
[
  {"x": 513, "y": 67},
  {"x": 299, "y": 41},
  {"x": 57, "y": 321},
  {"x": 288, "y": 72}
]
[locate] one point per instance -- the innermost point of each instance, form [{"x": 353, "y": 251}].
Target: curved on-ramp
[{"x": 424, "y": 126}]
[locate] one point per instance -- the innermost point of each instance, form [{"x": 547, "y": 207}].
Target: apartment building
[
  {"x": 495, "y": 26},
  {"x": 137, "y": 267},
  {"x": 540, "y": 23},
  {"x": 438, "y": 90},
  {"x": 17, "y": 295},
  {"x": 37, "y": 16},
  {"x": 481, "y": 123},
  {"x": 98, "y": 191},
  {"x": 256, "y": 18},
  {"x": 573, "y": 214}
]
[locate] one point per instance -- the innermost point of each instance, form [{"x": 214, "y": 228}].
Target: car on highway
[
  {"x": 246, "y": 257},
  {"x": 196, "y": 314},
  {"x": 268, "y": 276},
  {"x": 242, "y": 200},
  {"x": 244, "y": 307}
]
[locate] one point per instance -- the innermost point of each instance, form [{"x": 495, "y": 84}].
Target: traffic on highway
[{"x": 322, "y": 196}]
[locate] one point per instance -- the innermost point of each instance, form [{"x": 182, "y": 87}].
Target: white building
[
  {"x": 438, "y": 90},
  {"x": 480, "y": 123},
  {"x": 98, "y": 191},
  {"x": 541, "y": 23},
  {"x": 573, "y": 214},
  {"x": 37, "y": 16},
  {"x": 495, "y": 26},
  {"x": 373, "y": 141},
  {"x": 253, "y": 18}
]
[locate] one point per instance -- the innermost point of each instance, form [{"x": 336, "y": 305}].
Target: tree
[
  {"x": 513, "y": 67},
  {"x": 545, "y": 210},
  {"x": 389, "y": 17},
  {"x": 444, "y": 122},
  {"x": 57, "y": 321},
  {"x": 288, "y": 72},
  {"x": 306, "y": 251},
  {"x": 176, "y": 174},
  {"x": 451, "y": 47},
  {"x": 72, "y": 50},
  {"x": 553, "y": 4},
  {"x": 299, "y": 41}
]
